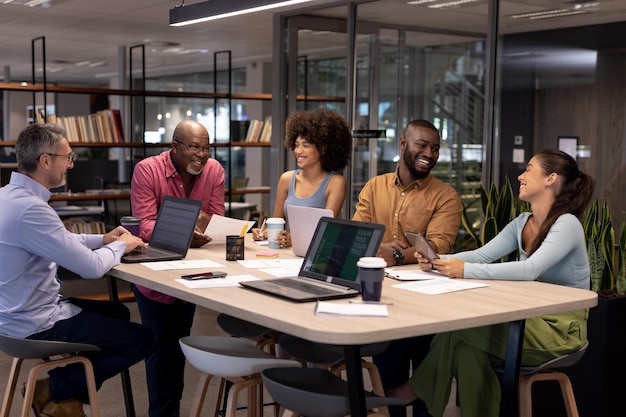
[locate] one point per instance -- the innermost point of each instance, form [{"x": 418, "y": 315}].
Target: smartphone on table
[
  {"x": 420, "y": 244},
  {"x": 204, "y": 275}
]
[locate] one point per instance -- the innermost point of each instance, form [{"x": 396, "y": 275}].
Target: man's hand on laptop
[
  {"x": 132, "y": 242},
  {"x": 114, "y": 234},
  {"x": 199, "y": 239}
]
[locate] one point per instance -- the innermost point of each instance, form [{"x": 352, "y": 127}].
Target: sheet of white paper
[
  {"x": 350, "y": 309},
  {"x": 262, "y": 242},
  {"x": 183, "y": 264},
  {"x": 439, "y": 285},
  {"x": 219, "y": 227},
  {"x": 229, "y": 281},
  {"x": 411, "y": 275}
]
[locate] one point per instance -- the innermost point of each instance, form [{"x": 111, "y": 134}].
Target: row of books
[
  {"x": 78, "y": 225},
  {"x": 105, "y": 126},
  {"x": 251, "y": 130}
]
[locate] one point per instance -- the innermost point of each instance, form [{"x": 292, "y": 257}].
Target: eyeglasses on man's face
[
  {"x": 196, "y": 149},
  {"x": 71, "y": 157}
]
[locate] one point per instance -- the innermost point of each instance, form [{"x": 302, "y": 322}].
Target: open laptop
[
  {"x": 329, "y": 268},
  {"x": 302, "y": 223},
  {"x": 172, "y": 232}
]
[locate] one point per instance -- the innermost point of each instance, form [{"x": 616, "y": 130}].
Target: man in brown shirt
[{"x": 410, "y": 199}]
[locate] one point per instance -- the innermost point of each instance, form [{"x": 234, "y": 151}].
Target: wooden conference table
[{"x": 410, "y": 314}]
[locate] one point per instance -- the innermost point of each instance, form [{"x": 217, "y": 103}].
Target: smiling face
[
  {"x": 190, "y": 148},
  {"x": 534, "y": 181},
  {"x": 306, "y": 153},
  {"x": 420, "y": 151}
]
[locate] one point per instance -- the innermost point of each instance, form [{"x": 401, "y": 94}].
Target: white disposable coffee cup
[{"x": 274, "y": 225}]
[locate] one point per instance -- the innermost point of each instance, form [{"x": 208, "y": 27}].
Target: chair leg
[
  {"x": 568, "y": 394},
  {"x": 35, "y": 370},
  {"x": 231, "y": 402},
  {"x": 11, "y": 386},
  {"x": 374, "y": 375},
  {"x": 220, "y": 398},
  {"x": 525, "y": 396},
  {"x": 288, "y": 413},
  {"x": 198, "y": 400},
  {"x": 377, "y": 384},
  {"x": 566, "y": 391}
]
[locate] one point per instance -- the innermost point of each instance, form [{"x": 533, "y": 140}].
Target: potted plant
[{"x": 597, "y": 377}]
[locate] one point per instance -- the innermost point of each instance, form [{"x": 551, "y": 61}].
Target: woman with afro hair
[{"x": 321, "y": 141}]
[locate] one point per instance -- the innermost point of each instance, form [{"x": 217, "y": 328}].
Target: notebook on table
[
  {"x": 172, "y": 232},
  {"x": 329, "y": 268},
  {"x": 302, "y": 223}
]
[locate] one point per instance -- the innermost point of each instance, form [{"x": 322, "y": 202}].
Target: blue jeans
[
  {"x": 165, "y": 365},
  {"x": 106, "y": 325}
]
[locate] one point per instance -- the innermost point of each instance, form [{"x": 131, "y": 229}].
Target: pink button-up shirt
[{"x": 153, "y": 179}]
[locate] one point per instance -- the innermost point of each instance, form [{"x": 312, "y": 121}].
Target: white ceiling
[{"x": 93, "y": 30}]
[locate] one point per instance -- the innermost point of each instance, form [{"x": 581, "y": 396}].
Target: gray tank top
[{"x": 317, "y": 200}]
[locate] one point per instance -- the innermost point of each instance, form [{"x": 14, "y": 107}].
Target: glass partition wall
[{"x": 557, "y": 73}]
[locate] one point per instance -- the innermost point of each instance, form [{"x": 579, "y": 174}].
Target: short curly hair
[{"x": 327, "y": 130}]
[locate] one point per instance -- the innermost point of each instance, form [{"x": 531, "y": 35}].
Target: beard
[
  {"x": 60, "y": 183},
  {"x": 410, "y": 165},
  {"x": 192, "y": 171}
]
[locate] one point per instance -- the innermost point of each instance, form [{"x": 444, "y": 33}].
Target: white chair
[
  {"x": 232, "y": 359},
  {"x": 49, "y": 351}
]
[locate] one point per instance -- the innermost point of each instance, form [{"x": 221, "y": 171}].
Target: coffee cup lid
[
  {"x": 130, "y": 219},
  {"x": 275, "y": 220},
  {"x": 371, "y": 262}
]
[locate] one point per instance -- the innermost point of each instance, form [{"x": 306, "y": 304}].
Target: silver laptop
[
  {"x": 302, "y": 223},
  {"x": 172, "y": 232},
  {"x": 329, "y": 268}
]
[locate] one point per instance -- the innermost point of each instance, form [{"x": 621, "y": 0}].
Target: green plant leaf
[
  {"x": 484, "y": 200},
  {"x": 607, "y": 246},
  {"x": 489, "y": 230},
  {"x": 620, "y": 278},
  {"x": 504, "y": 206},
  {"x": 468, "y": 228}
]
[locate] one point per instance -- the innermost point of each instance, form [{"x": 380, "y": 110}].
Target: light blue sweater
[{"x": 561, "y": 259}]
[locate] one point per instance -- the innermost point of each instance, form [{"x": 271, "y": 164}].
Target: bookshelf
[{"x": 128, "y": 142}]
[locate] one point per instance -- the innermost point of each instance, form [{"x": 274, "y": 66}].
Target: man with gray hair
[{"x": 33, "y": 244}]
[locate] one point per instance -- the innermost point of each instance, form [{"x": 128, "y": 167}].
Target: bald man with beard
[{"x": 186, "y": 170}]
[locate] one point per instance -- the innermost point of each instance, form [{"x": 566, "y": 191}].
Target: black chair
[
  {"x": 48, "y": 351},
  {"x": 316, "y": 392}
]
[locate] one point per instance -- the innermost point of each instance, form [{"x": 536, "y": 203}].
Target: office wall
[{"x": 595, "y": 114}]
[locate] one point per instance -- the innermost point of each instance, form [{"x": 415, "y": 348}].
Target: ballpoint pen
[{"x": 260, "y": 232}]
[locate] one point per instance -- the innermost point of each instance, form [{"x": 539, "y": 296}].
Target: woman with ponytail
[{"x": 551, "y": 245}]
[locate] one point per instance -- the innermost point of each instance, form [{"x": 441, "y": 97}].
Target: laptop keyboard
[
  {"x": 304, "y": 286},
  {"x": 148, "y": 251}
]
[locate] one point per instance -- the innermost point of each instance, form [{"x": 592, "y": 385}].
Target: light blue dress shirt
[
  {"x": 33, "y": 243},
  {"x": 561, "y": 259}
]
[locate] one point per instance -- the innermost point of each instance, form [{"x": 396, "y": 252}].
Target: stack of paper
[{"x": 351, "y": 309}]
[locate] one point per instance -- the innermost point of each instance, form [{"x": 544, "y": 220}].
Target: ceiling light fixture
[
  {"x": 218, "y": 9},
  {"x": 454, "y": 3},
  {"x": 548, "y": 14}
]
